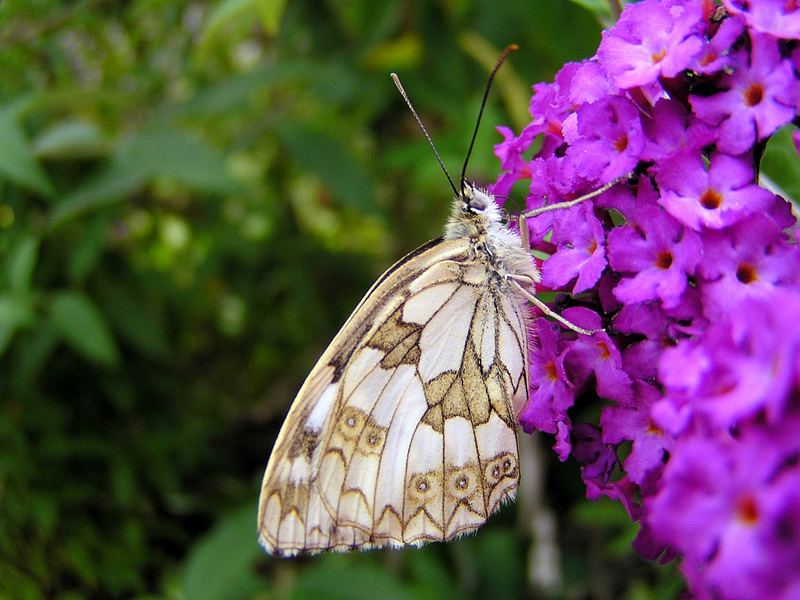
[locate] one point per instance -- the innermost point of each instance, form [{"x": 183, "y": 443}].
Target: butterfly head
[{"x": 474, "y": 214}]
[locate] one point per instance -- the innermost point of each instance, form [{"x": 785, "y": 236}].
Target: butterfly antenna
[
  {"x": 397, "y": 83},
  {"x": 508, "y": 50}
]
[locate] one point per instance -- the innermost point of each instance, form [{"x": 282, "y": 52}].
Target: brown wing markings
[
  {"x": 369, "y": 422},
  {"x": 277, "y": 496},
  {"x": 453, "y": 409},
  {"x": 467, "y": 403},
  {"x": 378, "y": 475}
]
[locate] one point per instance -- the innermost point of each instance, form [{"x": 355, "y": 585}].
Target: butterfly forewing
[{"x": 403, "y": 432}]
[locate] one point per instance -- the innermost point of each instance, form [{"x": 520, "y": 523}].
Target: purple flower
[
  {"x": 596, "y": 355},
  {"x": 605, "y": 138},
  {"x": 581, "y": 250},
  {"x": 661, "y": 253},
  {"x": 590, "y": 84},
  {"x": 552, "y": 179},
  {"x": 714, "y": 56},
  {"x": 730, "y": 506},
  {"x": 551, "y": 394},
  {"x": 714, "y": 196},
  {"x": 550, "y": 103},
  {"x": 780, "y": 18},
  {"x": 759, "y": 97},
  {"x": 695, "y": 270},
  {"x": 651, "y": 39},
  {"x": 750, "y": 260},
  {"x": 672, "y": 129},
  {"x": 633, "y": 422},
  {"x": 740, "y": 367}
]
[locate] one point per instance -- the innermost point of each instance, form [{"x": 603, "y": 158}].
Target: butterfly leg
[
  {"x": 550, "y": 313},
  {"x": 567, "y": 204}
]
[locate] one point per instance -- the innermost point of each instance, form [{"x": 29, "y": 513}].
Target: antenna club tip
[{"x": 512, "y": 47}]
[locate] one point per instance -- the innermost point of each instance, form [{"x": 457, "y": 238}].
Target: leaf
[
  {"x": 236, "y": 15},
  {"x": 166, "y": 152},
  {"x": 271, "y": 12},
  {"x": 179, "y": 155},
  {"x": 17, "y": 162},
  {"x": 404, "y": 52},
  {"x": 83, "y": 327},
  {"x": 72, "y": 139},
  {"x": 335, "y": 577},
  {"x": 332, "y": 163},
  {"x": 86, "y": 253},
  {"x": 220, "y": 565},
  {"x": 137, "y": 320},
  {"x": 15, "y": 313},
  {"x": 781, "y": 164},
  {"x": 106, "y": 189},
  {"x": 22, "y": 264},
  {"x": 599, "y": 8}
]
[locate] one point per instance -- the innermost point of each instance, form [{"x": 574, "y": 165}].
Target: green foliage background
[{"x": 193, "y": 196}]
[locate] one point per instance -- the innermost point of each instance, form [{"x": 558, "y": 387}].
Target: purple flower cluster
[{"x": 692, "y": 269}]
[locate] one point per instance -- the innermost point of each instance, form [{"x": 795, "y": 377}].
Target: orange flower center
[
  {"x": 754, "y": 94},
  {"x": 711, "y": 199},
  {"x": 664, "y": 260},
  {"x": 708, "y": 58},
  {"x": 747, "y": 509},
  {"x": 620, "y": 143},
  {"x": 658, "y": 56},
  {"x": 746, "y": 273},
  {"x": 550, "y": 369}
]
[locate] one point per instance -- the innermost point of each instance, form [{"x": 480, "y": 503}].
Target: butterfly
[{"x": 404, "y": 432}]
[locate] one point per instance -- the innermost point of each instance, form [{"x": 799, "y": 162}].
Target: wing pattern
[{"x": 404, "y": 432}]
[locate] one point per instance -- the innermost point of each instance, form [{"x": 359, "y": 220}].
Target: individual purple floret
[
  {"x": 651, "y": 40},
  {"x": 780, "y": 18},
  {"x": 710, "y": 194},
  {"x": 659, "y": 251},
  {"x": 756, "y": 99}
]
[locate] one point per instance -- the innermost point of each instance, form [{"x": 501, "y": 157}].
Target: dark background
[{"x": 193, "y": 196}]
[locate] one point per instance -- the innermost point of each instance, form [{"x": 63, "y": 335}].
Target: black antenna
[
  {"x": 508, "y": 50},
  {"x": 396, "y": 80}
]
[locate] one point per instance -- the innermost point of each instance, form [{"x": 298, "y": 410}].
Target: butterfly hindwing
[{"x": 404, "y": 431}]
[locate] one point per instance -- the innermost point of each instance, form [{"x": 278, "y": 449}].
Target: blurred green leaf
[
  {"x": 220, "y": 565},
  {"x": 15, "y": 312},
  {"x": 781, "y": 163},
  {"x": 83, "y": 327},
  {"x": 88, "y": 249},
  {"x": 271, "y": 12},
  {"x": 109, "y": 187},
  {"x": 430, "y": 575},
  {"x": 334, "y": 577},
  {"x": 17, "y": 161},
  {"x": 599, "y": 8},
  {"x": 333, "y": 163},
  {"x": 70, "y": 140},
  {"x": 166, "y": 152},
  {"x": 22, "y": 264},
  {"x": 404, "y": 52},
  {"x": 137, "y": 320},
  {"x": 231, "y": 14}
]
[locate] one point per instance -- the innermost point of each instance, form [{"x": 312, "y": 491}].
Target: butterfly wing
[{"x": 404, "y": 430}]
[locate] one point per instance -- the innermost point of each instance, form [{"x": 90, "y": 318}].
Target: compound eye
[{"x": 478, "y": 203}]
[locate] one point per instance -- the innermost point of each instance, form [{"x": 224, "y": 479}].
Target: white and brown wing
[{"x": 404, "y": 432}]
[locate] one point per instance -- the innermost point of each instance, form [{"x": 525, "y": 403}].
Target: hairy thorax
[{"x": 476, "y": 216}]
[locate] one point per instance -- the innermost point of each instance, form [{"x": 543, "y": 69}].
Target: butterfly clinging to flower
[{"x": 404, "y": 432}]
